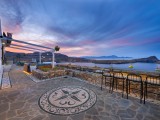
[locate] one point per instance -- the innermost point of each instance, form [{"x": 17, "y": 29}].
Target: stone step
[{"x": 5, "y": 81}]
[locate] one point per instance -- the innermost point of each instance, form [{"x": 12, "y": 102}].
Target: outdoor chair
[
  {"x": 117, "y": 79},
  {"x": 135, "y": 78},
  {"x": 107, "y": 75},
  {"x": 151, "y": 80}
]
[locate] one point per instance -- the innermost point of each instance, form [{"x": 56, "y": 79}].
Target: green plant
[
  {"x": 45, "y": 69},
  {"x": 57, "y": 48},
  {"x": 55, "y": 68},
  {"x": 58, "y": 68},
  {"x": 41, "y": 66}
]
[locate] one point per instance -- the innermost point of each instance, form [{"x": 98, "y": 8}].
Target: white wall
[{"x": 1, "y": 67}]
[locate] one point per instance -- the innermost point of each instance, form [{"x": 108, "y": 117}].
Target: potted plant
[{"x": 57, "y": 48}]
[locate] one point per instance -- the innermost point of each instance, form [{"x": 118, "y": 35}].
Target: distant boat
[{"x": 130, "y": 66}]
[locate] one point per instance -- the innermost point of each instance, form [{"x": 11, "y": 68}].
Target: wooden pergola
[
  {"x": 8, "y": 41},
  {"x": 26, "y": 46}
]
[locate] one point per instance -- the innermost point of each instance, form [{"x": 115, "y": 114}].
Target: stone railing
[
  {"x": 96, "y": 78},
  {"x": 81, "y": 68},
  {"x": 91, "y": 77},
  {"x": 89, "y": 74},
  {"x": 48, "y": 75}
]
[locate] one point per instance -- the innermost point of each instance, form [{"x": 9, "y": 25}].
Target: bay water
[{"x": 148, "y": 67}]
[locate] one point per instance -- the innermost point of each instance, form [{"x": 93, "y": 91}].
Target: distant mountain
[
  {"x": 45, "y": 57},
  {"x": 99, "y": 57},
  {"x": 151, "y": 59}
]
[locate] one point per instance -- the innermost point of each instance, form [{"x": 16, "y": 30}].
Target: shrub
[
  {"x": 41, "y": 66},
  {"x": 45, "y": 69}
]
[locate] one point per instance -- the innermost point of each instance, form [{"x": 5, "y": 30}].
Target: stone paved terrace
[{"x": 21, "y": 102}]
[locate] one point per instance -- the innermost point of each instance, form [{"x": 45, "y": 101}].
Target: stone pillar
[
  {"x": 40, "y": 57},
  {"x": 53, "y": 57}
]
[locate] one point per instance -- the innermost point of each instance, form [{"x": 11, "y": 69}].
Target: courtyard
[{"x": 23, "y": 101}]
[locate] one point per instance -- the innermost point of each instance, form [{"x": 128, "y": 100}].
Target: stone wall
[
  {"x": 96, "y": 78},
  {"x": 48, "y": 75},
  {"x": 91, "y": 77}
]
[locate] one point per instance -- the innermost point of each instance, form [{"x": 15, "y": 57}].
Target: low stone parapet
[
  {"x": 88, "y": 76},
  {"x": 47, "y": 75},
  {"x": 96, "y": 78}
]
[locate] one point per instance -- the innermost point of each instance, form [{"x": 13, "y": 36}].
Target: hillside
[
  {"x": 46, "y": 57},
  {"x": 105, "y": 57},
  {"x": 151, "y": 59}
]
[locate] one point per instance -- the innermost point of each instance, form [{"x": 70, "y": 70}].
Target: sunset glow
[{"x": 100, "y": 27}]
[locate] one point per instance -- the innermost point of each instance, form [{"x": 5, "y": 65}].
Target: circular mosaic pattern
[
  {"x": 67, "y": 100},
  {"x": 68, "y": 97}
]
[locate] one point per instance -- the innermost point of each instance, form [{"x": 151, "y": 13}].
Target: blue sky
[{"x": 86, "y": 27}]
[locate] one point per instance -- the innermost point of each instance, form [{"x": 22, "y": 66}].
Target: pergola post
[
  {"x": 53, "y": 57},
  {"x": 40, "y": 57},
  {"x": 1, "y": 67}
]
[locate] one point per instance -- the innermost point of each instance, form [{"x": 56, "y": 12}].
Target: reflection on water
[{"x": 137, "y": 66}]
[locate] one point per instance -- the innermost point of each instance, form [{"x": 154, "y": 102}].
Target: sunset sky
[{"x": 86, "y": 27}]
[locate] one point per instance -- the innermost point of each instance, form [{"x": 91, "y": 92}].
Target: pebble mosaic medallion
[{"x": 67, "y": 100}]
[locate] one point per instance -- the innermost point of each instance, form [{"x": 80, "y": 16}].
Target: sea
[{"x": 147, "y": 67}]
